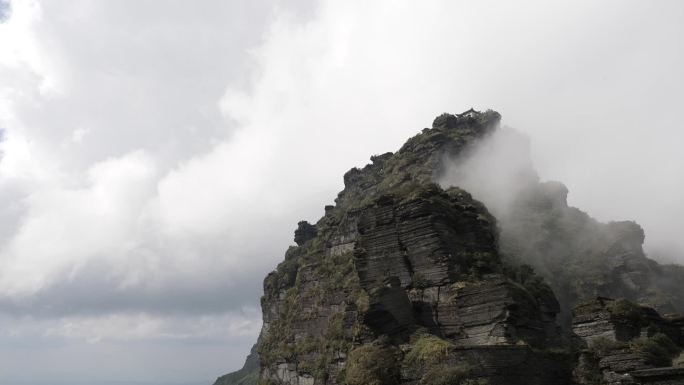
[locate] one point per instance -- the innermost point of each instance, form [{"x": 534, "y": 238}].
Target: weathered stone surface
[
  {"x": 659, "y": 376},
  {"x": 403, "y": 266},
  {"x": 495, "y": 310},
  {"x": 396, "y": 255},
  {"x": 593, "y": 320},
  {"x": 305, "y": 231},
  {"x": 620, "y": 320},
  {"x": 579, "y": 256},
  {"x": 617, "y": 334},
  {"x": 623, "y": 361},
  {"x": 287, "y": 373},
  {"x": 430, "y": 239},
  {"x": 390, "y": 312},
  {"x": 504, "y": 365}
]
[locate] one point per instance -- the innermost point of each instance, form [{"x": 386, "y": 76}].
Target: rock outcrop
[
  {"x": 624, "y": 343},
  {"x": 580, "y": 257},
  {"x": 404, "y": 281},
  {"x": 400, "y": 265}
]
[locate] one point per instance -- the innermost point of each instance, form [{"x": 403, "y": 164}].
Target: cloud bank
[{"x": 156, "y": 156}]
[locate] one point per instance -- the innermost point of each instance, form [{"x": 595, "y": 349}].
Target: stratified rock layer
[
  {"x": 625, "y": 343},
  {"x": 399, "y": 261},
  {"x": 406, "y": 282}
]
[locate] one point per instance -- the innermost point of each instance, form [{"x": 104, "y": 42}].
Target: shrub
[
  {"x": 624, "y": 309},
  {"x": 305, "y": 232},
  {"x": 427, "y": 349},
  {"x": 603, "y": 346},
  {"x": 657, "y": 349},
  {"x": 362, "y": 301},
  {"x": 445, "y": 120},
  {"x": 372, "y": 365}
]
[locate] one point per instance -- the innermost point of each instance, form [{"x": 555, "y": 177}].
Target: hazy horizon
[
  {"x": 155, "y": 157},
  {"x": 90, "y": 382}
]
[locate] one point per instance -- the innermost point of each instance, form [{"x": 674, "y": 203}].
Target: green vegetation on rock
[
  {"x": 430, "y": 353},
  {"x": 659, "y": 350},
  {"x": 603, "y": 346},
  {"x": 427, "y": 349},
  {"x": 406, "y": 281},
  {"x": 373, "y": 364}
]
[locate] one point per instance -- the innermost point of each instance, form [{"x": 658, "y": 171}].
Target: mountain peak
[{"x": 404, "y": 281}]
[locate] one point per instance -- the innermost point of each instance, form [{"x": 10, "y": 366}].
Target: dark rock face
[
  {"x": 625, "y": 344},
  {"x": 400, "y": 265},
  {"x": 305, "y": 231},
  {"x": 659, "y": 376},
  {"x": 580, "y": 257},
  {"x": 440, "y": 247},
  {"x": 502, "y": 365},
  {"x": 496, "y": 310},
  {"x": 405, "y": 282},
  {"x": 620, "y": 320},
  {"x": 430, "y": 239}
]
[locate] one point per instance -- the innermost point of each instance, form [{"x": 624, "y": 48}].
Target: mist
[
  {"x": 496, "y": 170},
  {"x": 579, "y": 256},
  {"x": 499, "y": 171},
  {"x": 156, "y": 156}
]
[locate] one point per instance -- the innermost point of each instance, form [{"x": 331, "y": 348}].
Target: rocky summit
[{"x": 408, "y": 280}]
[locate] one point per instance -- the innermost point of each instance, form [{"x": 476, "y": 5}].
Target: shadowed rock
[{"x": 403, "y": 272}]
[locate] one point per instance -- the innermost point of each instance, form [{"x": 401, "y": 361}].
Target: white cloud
[
  {"x": 142, "y": 326},
  {"x": 64, "y": 227},
  {"x": 134, "y": 347},
  {"x": 145, "y": 171}
]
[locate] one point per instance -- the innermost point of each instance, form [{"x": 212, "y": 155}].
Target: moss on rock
[
  {"x": 427, "y": 349},
  {"x": 373, "y": 364}
]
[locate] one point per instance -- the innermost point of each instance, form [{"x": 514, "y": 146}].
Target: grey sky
[{"x": 157, "y": 155}]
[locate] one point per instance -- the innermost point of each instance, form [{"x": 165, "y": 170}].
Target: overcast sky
[{"x": 157, "y": 155}]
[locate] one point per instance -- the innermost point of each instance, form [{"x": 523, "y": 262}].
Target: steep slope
[
  {"x": 625, "y": 343},
  {"x": 584, "y": 259},
  {"x": 400, "y": 267},
  {"x": 580, "y": 257},
  {"x": 405, "y": 282}
]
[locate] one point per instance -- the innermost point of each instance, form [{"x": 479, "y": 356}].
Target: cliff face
[
  {"x": 400, "y": 267},
  {"x": 624, "y": 343},
  {"x": 580, "y": 257},
  {"x": 405, "y": 282}
]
